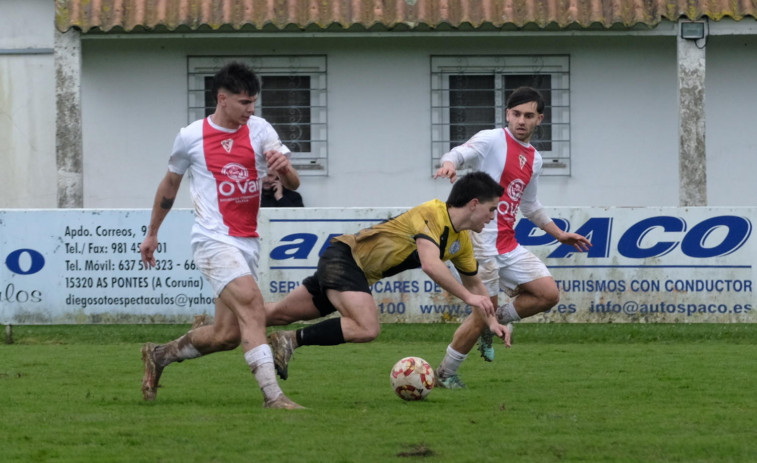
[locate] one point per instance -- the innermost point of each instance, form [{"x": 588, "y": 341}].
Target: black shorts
[{"x": 337, "y": 270}]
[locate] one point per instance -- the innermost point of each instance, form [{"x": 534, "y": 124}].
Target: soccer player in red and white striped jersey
[
  {"x": 226, "y": 156},
  {"x": 506, "y": 154}
]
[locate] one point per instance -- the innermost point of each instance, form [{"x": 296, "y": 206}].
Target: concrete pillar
[
  {"x": 692, "y": 152},
  {"x": 68, "y": 130}
]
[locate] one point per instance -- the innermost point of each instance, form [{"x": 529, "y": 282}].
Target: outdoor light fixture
[{"x": 692, "y": 30}]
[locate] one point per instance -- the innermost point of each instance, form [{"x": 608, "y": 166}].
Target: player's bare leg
[
  {"x": 533, "y": 297},
  {"x": 242, "y": 296},
  {"x": 360, "y": 320},
  {"x": 358, "y": 323},
  {"x": 296, "y": 306},
  {"x": 462, "y": 342},
  {"x": 222, "y": 335}
]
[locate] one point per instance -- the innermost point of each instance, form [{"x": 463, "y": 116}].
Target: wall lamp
[{"x": 693, "y": 30}]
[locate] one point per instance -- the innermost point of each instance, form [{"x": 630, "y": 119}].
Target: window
[
  {"x": 469, "y": 94},
  {"x": 292, "y": 99}
]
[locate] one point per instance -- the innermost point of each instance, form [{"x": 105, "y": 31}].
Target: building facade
[{"x": 646, "y": 106}]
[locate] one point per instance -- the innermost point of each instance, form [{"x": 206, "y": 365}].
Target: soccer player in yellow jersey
[{"x": 424, "y": 237}]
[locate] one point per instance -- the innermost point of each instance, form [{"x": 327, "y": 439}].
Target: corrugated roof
[{"x": 384, "y": 15}]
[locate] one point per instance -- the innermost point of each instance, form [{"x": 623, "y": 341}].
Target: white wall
[
  {"x": 623, "y": 98},
  {"x": 27, "y": 105},
  {"x": 623, "y": 114},
  {"x": 134, "y": 101},
  {"x": 731, "y": 137},
  {"x": 624, "y": 125}
]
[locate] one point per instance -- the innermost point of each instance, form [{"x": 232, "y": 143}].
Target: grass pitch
[{"x": 563, "y": 393}]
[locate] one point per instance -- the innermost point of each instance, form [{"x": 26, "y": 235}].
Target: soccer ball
[{"x": 412, "y": 378}]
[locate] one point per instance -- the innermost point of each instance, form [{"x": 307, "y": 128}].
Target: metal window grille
[
  {"x": 469, "y": 94},
  {"x": 292, "y": 100}
]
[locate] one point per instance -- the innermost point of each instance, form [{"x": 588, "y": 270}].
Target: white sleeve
[
  {"x": 179, "y": 161},
  {"x": 471, "y": 153},
  {"x": 271, "y": 140}
]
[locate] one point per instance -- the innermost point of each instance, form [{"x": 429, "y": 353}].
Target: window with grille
[
  {"x": 292, "y": 99},
  {"x": 469, "y": 94}
]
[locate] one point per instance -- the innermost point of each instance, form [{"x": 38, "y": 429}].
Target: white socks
[
  {"x": 506, "y": 314},
  {"x": 451, "y": 362},
  {"x": 260, "y": 360}
]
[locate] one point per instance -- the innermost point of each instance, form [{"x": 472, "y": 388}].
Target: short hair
[
  {"x": 478, "y": 185},
  {"x": 523, "y": 95},
  {"x": 236, "y": 78}
]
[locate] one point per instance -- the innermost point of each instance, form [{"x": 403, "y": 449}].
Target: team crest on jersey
[
  {"x": 454, "y": 247},
  {"x": 515, "y": 189},
  {"x": 522, "y": 160},
  {"x": 235, "y": 171},
  {"x": 227, "y": 144}
]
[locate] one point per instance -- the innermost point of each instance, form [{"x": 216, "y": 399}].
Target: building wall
[
  {"x": 731, "y": 120},
  {"x": 27, "y": 105},
  {"x": 623, "y": 116},
  {"x": 624, "y": 119}
]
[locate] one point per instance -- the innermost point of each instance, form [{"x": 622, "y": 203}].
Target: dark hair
[
  {"x": 477, "y": 185},
  {"x": 236, "y": 78},
  {"x": 526, "y": 95}
]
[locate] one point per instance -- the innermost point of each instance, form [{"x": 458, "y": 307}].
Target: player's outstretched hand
[
  {"x": 447, "y": 170},
  {"x": 502, "y": 332},
  {"x": 483, "y": 302},
  {"x": 579, "y": 242},
  {"x": 147, "y": 250}
]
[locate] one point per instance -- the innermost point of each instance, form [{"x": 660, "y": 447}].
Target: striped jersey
[
  {"x": 516, "y": 167},
  {"x": 225, "y": 169}
]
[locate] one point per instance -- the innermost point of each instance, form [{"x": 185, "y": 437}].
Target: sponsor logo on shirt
[
  {"x": 238, "y": 183},
  {"x": 515, "y": 189},
  {"x": 235, "y": 171}
]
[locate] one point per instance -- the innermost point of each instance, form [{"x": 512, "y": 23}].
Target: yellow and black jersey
[{"x": 389, "y": 248}]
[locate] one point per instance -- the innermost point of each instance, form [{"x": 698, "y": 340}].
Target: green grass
[{"x": 563, "y": 393}]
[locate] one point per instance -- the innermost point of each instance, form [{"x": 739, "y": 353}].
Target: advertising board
[{"x": 645, "y": 265}]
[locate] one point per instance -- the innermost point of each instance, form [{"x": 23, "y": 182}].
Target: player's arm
[
  {"x": 534, "y": 211},
  {"x": 580, "y": 242},
  {"x": 453, "y": 160},
  {"x": 276, "y": 158},
  {"x": 473, "y": 149},
  {"x": 543, "y": 221},
  {"x": 164, "y": 199},
  {"x": 475, "y": 285},
  {"x": 434, "y": 267},
  {"x": 278, "y": 162},
  {"x": 447, "y": 170}
]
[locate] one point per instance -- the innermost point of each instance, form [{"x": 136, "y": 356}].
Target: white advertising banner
[{"x": 646, "y": 265}]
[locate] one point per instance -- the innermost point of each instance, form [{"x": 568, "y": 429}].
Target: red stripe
[
  {"x": 236, "y": 176},
  {"x": 514, "y": 179}
]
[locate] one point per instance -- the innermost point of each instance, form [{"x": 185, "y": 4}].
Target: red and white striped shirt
[
  {"x": 226, "y": 168},
  {"x": 516, "y": 166}
]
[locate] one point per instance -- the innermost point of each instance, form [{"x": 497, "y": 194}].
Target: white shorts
[
  {"x": 507, "y": 272},
  {"x": 222, "y": 263}
]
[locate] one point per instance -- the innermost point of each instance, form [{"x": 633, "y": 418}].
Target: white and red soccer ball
[{"x": 412, "y": 378}]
